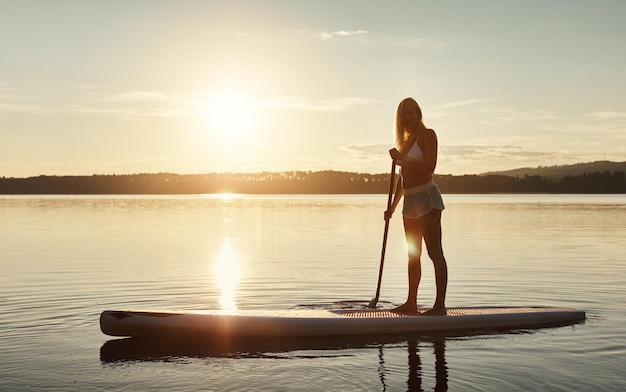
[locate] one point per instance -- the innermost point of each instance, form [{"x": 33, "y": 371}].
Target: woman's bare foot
[
  {"x": 406, "y": 308},
  {"x": 435, "y": 312}
]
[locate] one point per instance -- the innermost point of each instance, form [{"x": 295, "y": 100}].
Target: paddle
[{"x": 374, "y": 300}]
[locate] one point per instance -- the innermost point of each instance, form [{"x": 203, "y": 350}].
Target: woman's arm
[{"x": 430, "y": 151}]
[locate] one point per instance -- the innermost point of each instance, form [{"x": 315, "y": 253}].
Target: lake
[{"x": 64, "y": 259}]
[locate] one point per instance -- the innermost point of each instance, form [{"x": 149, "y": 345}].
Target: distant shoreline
[{"x": 305, "y": 182}]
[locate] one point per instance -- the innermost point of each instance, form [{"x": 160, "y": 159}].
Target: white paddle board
[{"x": 310, "y": 323}]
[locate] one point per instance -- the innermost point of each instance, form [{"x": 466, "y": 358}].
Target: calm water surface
[{"x": 64, "y": 259}]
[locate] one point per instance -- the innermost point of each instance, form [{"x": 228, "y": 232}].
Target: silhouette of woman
[{"x": 416, "y": 153}]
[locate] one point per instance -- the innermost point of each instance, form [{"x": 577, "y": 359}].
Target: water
[{"x": 64, "y": 259}]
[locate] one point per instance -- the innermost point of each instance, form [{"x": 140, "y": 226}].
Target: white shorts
[{"x": 420, "y": 203}]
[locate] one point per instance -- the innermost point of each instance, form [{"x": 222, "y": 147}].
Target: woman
[{"x": 416, "y": 153}]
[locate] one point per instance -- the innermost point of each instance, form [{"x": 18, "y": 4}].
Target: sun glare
[
  {"x": 226, "y": 196},
  {"x": 229, "y": 114},
  {"x": 227, "y": 275}
]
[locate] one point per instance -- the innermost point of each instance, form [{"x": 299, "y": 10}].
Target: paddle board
[{"x": 320, "y": 323}]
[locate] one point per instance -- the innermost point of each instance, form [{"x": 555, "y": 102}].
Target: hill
[{"x": 558, "y": 172}]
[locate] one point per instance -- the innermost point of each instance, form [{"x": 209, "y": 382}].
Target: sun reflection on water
[
  {"x": 227, "y": 275},
  {"x": 225, "y": 196}
]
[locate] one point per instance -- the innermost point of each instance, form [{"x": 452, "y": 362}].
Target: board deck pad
[
  {"x": 382, "y": 313},
  {"x": 321, "y": 322},
  {"x": 449, "y": 312}
]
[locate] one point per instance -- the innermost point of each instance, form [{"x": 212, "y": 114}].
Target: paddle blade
[{"x": 373, "y": 302}]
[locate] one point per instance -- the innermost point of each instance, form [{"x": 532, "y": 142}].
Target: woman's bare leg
[
  {"x": 432, "y": 239},
  {"x": 413, "y": 232}
]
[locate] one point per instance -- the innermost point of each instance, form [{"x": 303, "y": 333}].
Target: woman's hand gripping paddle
[{"x": 374, "y": 300}]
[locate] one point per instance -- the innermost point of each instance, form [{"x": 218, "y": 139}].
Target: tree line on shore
[{"x": 304, "y": 182}]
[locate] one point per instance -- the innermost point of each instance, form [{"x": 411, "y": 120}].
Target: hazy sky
[{"x": 122, "y": 86}]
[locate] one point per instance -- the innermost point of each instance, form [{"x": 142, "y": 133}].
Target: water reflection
[
  {"x": 227, "y": 275},
  {"x": 414, "y": 382},
  {"x": 417, "y": 374},
  {"x": 415, "y": 377}
]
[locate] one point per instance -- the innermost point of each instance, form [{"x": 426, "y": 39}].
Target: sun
[{"x": 230, "y": 114}]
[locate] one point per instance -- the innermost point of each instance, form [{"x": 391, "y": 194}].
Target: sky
[{"x": 147, "y": 86}]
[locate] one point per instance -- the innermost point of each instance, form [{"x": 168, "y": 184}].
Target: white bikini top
[{"x": 415, "y": 152}]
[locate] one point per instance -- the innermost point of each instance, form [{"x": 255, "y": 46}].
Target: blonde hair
[{"x": 401, "y": 132}]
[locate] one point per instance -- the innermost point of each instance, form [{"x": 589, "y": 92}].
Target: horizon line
[{"x": 304, "y": 171}]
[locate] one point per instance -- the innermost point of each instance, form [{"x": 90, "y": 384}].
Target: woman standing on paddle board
[{"x": 416, "y": 153}]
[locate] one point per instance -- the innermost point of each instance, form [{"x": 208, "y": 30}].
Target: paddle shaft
[{"x": 374, "y": 300}]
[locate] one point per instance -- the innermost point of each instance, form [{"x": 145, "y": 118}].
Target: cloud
[
  {"x": 367, "y": 151},
  {"x": 501, "y": 153},
  {"x": 455, "y": 104},
  {"x": 329, "y": 35},
  {"x": 377, "y": 38},
  {"x": 140, "y": 96},
  {"x": 328, "y": 105},
  {"x": 133, "y": 113},
  {"x": 417, "y": 43},
  {"x": 488, "y": 113},
  {"x": 144, "y": 104},
  {"x": 443, "y": 110},
  {"x": 466, "y": 158},
  {"x": 10, "y": 109},
  {"x": 607, "y": 115},
  {"x": 326, "y": 35},
  {"x": 154, "y": 104},
  {"x": 129, "y": 104},
  {"x": 17, "y": 102},
  {"x": 137, "y": 105},
  {"x": 473, "y": 159},
  {"x": 498, "y": 115},
  {"x": 141, "y": 104},
  {"x": 472, "y": 155}
]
